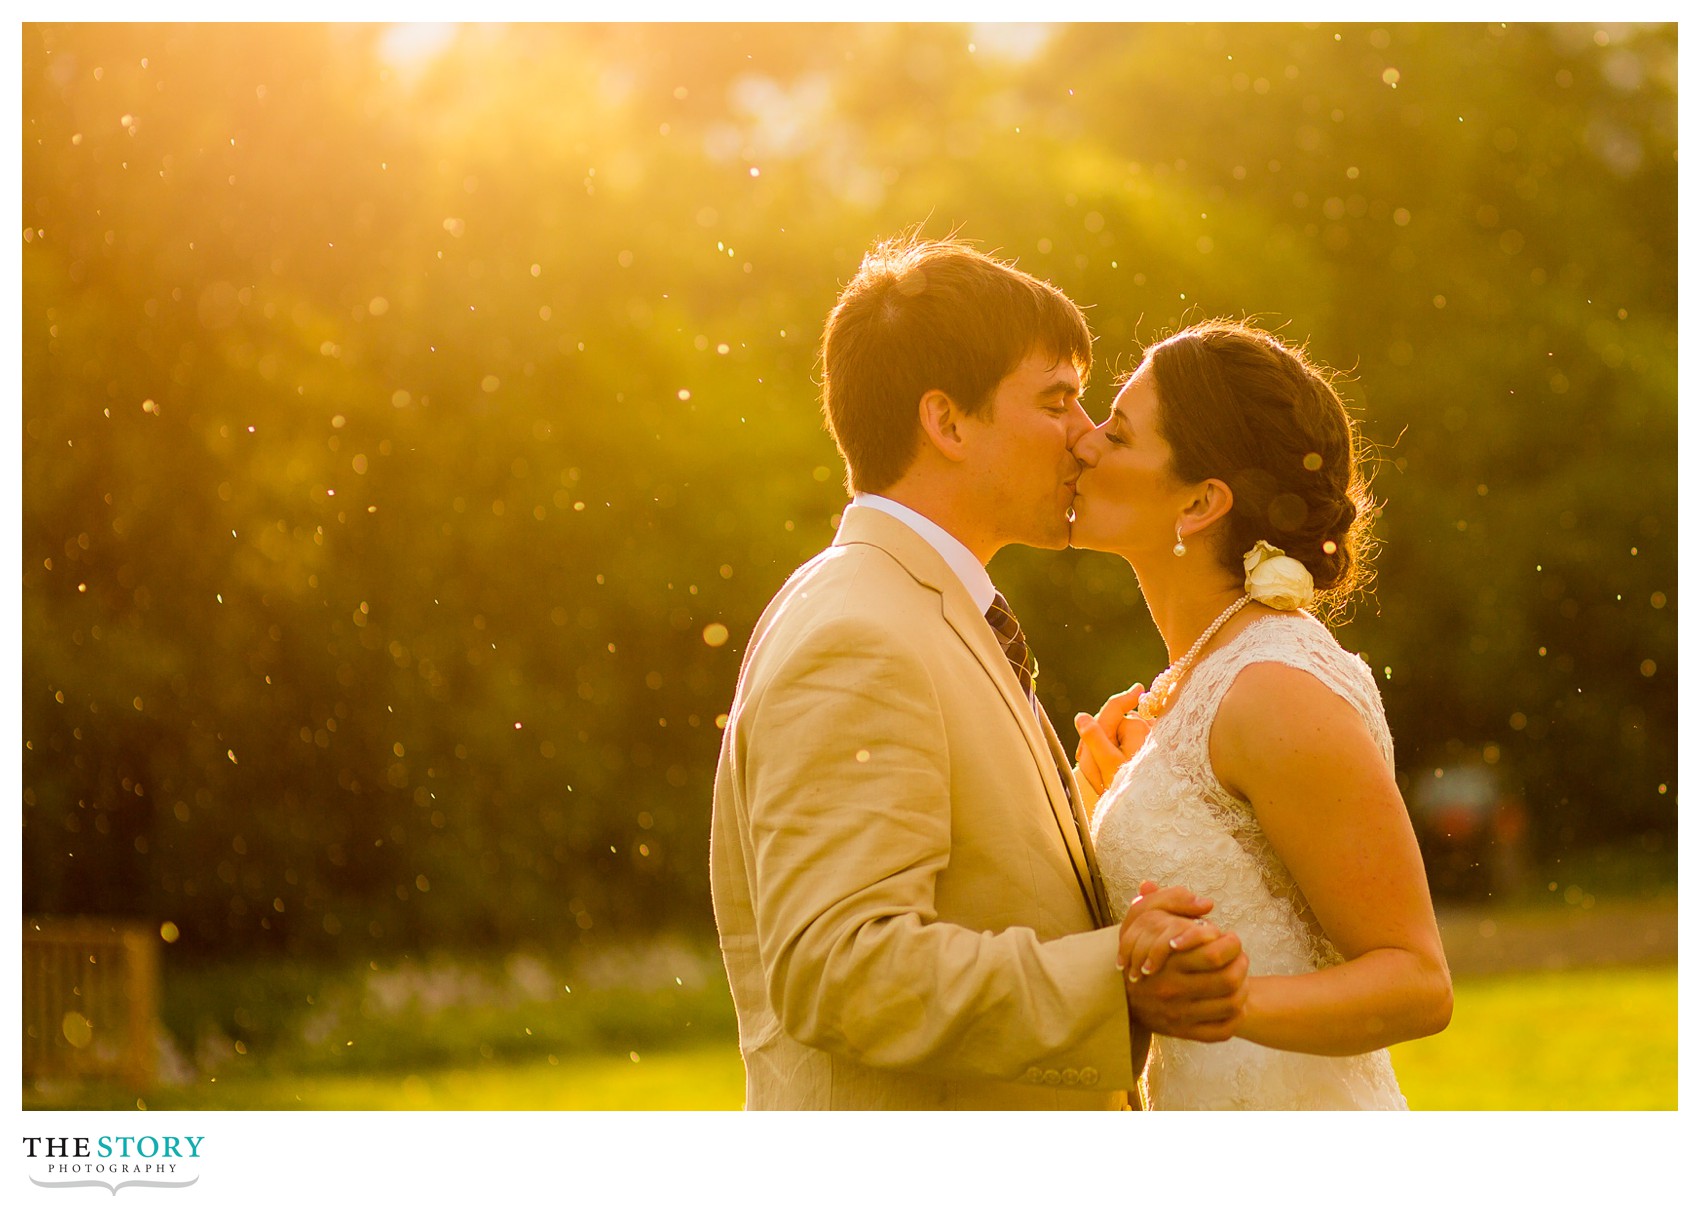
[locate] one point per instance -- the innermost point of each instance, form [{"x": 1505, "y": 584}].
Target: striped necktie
[{"x": 1014, "y": 642}]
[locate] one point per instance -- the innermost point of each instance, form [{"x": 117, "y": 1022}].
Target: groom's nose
[{"x": 1079, "y": 424}]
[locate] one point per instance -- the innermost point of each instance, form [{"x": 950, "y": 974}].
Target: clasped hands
[{"x": 1182, "y": 975}]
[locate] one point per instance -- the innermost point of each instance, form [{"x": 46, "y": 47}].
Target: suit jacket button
[
  {"x": 1088, "y": 1075},
  {"x": 1035, "y": 1075},
  {"x": 1052, "y": 1077},
  {"x": 1071, "y": 1077}
]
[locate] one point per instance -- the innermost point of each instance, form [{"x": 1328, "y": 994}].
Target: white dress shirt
[{"x": 968, "y": 570}]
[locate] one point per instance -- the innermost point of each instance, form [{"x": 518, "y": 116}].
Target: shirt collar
[{"x": 968, "y": 570}]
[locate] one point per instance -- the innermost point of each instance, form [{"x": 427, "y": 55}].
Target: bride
[{"x": 1258, "y": 769}]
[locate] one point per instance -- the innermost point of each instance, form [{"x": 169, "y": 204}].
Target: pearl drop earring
[{"x": 1180, "y": 543}]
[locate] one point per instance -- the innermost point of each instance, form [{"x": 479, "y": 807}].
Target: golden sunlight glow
[
  {"x": 1017, "y": 42},
  {"x": 412, "y": 47}
]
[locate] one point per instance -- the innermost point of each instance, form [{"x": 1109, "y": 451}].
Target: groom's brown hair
[{"x": 922, "y": 315}]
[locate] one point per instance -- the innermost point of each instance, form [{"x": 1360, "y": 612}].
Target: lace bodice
[{"x": 1166, "y": 817}]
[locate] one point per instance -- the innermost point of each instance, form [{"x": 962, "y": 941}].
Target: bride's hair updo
[{"x": 1238, "y": 405}]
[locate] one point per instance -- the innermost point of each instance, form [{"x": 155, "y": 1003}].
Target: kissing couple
[{"x": 921, "y": 903}]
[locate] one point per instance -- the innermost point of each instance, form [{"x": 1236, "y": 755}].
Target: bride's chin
[{"x": 1080, "y": 537}]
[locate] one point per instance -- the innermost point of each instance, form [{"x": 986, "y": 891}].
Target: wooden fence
[{"x": 91, "y": 1000}]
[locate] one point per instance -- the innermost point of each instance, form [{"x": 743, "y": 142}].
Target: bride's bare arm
[{"x": 1330, "y": 808}]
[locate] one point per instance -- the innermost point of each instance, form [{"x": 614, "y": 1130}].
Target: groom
[{"x": 908, "y": 905}]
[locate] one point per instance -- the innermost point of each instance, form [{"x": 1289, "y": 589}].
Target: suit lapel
[
  {"x": 925, "y": 564},
  {"x": 1083, "y": 828}
]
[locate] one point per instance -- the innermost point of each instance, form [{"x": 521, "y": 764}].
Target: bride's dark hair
[{"x": 1237, "y": 404}]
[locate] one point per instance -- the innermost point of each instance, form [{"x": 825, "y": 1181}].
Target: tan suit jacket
[{"x": 908, "y": 907}]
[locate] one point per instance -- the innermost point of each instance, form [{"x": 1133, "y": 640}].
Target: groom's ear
[{"x": 941, "y": 425}]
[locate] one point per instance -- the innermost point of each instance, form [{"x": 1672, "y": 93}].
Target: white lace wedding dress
[{"x": 1165, "y": 817}]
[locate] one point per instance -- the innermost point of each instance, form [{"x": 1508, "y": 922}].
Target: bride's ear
[
  {"x": 1211, "y": 501},
  {"x": 941, "y": 425}
]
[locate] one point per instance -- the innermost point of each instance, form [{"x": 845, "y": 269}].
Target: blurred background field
[
  {"x": 416, "y": 419},
  {"x": 1594, "y": 1039},
  {"x": 1557, "y": 1007}
]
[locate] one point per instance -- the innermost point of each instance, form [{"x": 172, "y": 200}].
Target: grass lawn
[
  {"x": 1598, "y": 1039},
  {"x": 706, "y": 1077}
]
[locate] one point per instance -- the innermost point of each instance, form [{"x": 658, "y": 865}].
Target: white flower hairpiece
[{"x": 1276, "y": 579}]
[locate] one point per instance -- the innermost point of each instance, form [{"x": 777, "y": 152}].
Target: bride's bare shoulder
[
  {"x": 1279, "y": 716},
  {"x": 1269, "y": 693}
]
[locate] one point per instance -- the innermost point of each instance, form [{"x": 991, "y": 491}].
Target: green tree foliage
[{"x": 413, "y": 431}]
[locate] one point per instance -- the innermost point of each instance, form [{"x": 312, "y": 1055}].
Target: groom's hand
[{"x": 1198, "y": 995}]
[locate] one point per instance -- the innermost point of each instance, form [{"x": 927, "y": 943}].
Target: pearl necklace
[{"x": 1155, "y": 702}]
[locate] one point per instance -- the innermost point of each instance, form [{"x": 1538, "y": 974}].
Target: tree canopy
[{"x": 416, "y": 421}]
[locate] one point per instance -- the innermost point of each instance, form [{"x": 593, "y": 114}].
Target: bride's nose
[{"x": 1089, "y": 447}]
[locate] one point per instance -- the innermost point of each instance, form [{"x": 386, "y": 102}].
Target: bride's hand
[
  {"x": 1110, "y": 738},
  {"x": 1145, "y": 950},
  {"x": 1159, "y": 923}
]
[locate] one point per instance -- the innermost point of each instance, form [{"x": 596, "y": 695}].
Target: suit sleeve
[{"x": 847, "y": 787}]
